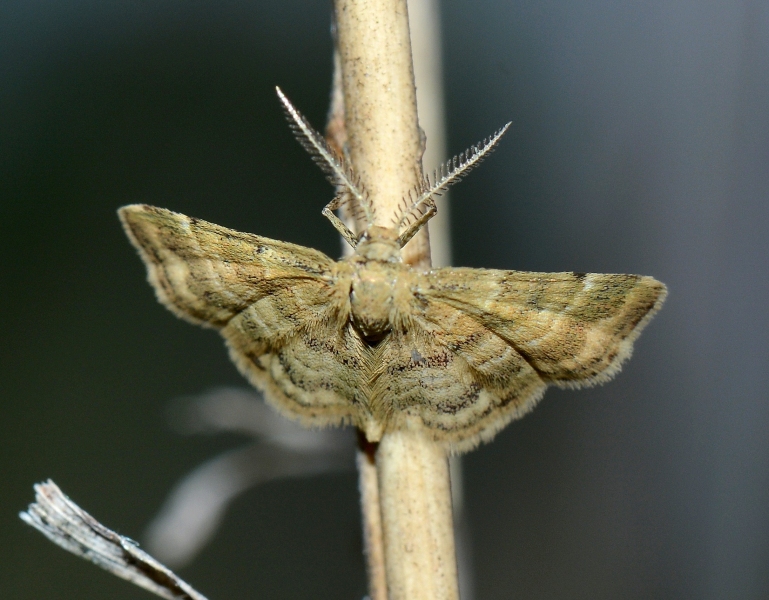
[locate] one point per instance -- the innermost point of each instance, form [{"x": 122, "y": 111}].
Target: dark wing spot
[{"x": 453, "y": 405}]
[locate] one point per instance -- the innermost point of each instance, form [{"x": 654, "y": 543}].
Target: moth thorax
[{"x": 371, "y": 300}]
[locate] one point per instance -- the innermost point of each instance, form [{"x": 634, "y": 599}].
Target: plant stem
[
  {"x": 385, "y": 147},
  {"x": 381, "y": 121},
  {"x": 415, "y": 498},
  {"x": 368, "y": 483}
]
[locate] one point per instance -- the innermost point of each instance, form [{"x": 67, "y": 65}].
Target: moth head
[{"x": 379, "y": 244}]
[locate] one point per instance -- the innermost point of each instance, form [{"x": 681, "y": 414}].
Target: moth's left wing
[
  {"x": 446, "y": 374},
  {"x": 574, "y": 329}
]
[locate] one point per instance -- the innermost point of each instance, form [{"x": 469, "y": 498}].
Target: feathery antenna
[
  {"x": 336, "y": 169},
  {"x": 422, "y": 205}
]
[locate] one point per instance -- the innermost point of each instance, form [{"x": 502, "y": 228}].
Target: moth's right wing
[
  {"x": 206, "y": 273},
  {"x": 282, "y": 308}
]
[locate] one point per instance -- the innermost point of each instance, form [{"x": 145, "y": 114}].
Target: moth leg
[
  {"x": 338, "y": 224},
  {"x": 414, "y": 228}
]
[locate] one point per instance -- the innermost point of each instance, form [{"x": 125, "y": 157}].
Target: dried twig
[
  {"x": 66, "y": 524},
  {"x": 385, "y": 147}
]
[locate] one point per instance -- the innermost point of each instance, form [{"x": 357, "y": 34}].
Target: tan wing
[
  {"x": 574, "y": 329},
  {"x": 447, "y": 373},
  {"x": 206, "y": 273},
  {"x": 283, "y": 308},
  {"x": 479, "y": 347},
  {"x": 305, "y": 357}
]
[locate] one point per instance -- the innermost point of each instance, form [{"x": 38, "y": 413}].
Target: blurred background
[{"x": 639, "y": 144}]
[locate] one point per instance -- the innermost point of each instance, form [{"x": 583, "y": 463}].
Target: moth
[{"x": 367, "y": 340}]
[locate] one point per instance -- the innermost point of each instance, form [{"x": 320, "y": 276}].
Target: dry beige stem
[
  {"x": 400, "y": 457},
  {"x": 381, "y": 108},
  {"x": 415, "y": 498},
  {"x": 423, "y": 15},
  {"x": 368, "y": 484}
]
